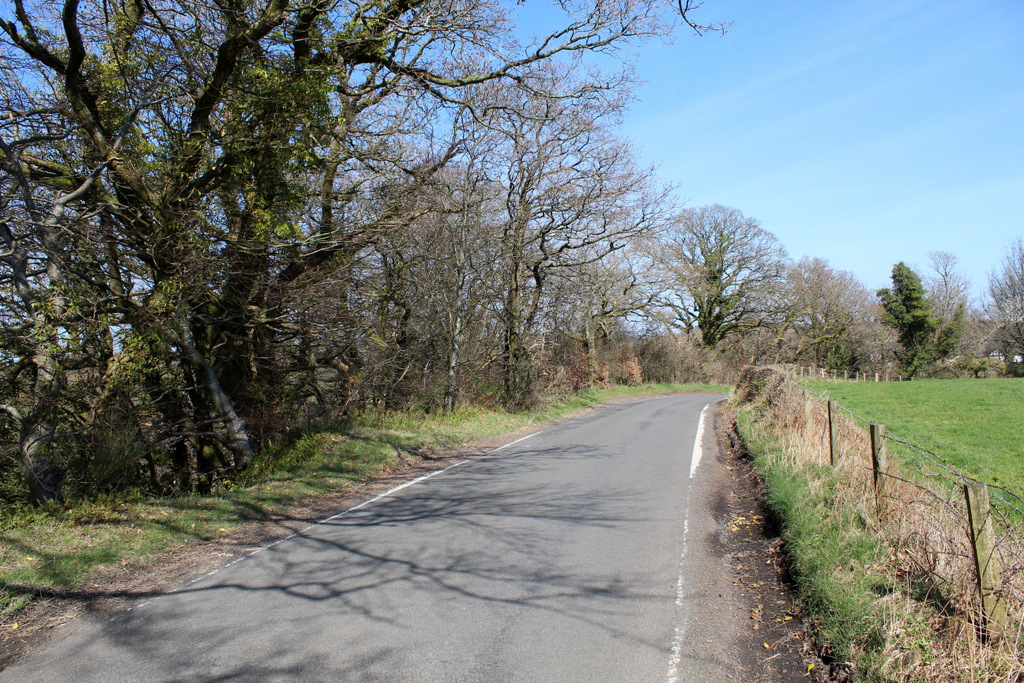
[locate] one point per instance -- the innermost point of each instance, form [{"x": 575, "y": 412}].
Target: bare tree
[
  {"x": 462, "y": 244},
  {"x": 722, "y": 273},
  {"x": 1006, "y": 289},
  {"x": 948, "y": 289},
  {"x": 833, "y": 311},
  {"x": 573, "y": 195}
]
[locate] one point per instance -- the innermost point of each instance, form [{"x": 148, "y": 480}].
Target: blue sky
[
  {"x": 864, "y": 132},
  {"x": 860, "y": 131}
]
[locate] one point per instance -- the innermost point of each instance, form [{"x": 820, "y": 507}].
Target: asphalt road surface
[{"x": 563, "y": 556}]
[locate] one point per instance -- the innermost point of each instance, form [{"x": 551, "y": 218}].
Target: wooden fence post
[
  {"x": 876, "y": 376},
  {"x": 879, "y": 467},
  {"x": 833, "y": 436},
  {"x": 983, "y": 541}
]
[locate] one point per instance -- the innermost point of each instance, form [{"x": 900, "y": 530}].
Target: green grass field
[{"x": 975, "y": 425}]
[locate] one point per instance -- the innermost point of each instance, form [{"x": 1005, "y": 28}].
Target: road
[{"x": 564, "y": 556}]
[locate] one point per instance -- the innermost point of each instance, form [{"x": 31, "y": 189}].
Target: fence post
[
  {"x": 979, "y": 513},
  {"x": 876, "y": 376},
  {"x": 879, "y": 467},
  {"x": 833, "y": 437}
]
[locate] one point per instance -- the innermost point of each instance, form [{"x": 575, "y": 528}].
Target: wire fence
[{"x": 921, "y": 504}]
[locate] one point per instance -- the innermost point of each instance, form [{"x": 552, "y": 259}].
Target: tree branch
[{"x": 13, "y": 412}]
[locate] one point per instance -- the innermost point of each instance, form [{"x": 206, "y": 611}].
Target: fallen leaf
[
  {"x": 767, "y": 646},
  {"x": 14, "y": 626}
]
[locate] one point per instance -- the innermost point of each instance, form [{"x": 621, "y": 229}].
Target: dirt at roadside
[{"x": 781, "y": 642}]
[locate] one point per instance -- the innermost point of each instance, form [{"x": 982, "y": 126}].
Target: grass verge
[
  {"x": 880, "y": 590},
  {"x": 834, "y": 559},
  {"x": 61, "y": 548},
  {"x": 888, "y": 577}
]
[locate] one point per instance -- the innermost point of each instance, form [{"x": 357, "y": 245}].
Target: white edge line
[
  {"x": 299, "y": 533},
  {"x": 676, "y": 655},
  {"x": 513, "y": 443},
  {"x": 698, "y": 449},
  {"x": 386, "y": 494}
]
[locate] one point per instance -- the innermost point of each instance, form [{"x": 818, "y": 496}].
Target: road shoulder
[{"x": 741, "y": 621}]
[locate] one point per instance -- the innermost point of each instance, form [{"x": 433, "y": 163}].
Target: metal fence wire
[{"x": 920, "y": 508}]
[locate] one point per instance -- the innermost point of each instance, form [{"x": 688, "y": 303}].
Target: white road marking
[
  {"x": 513, "y": 443},
  {"x": 676, "y": 655},
  {"x": 698, "y": 449},
  {"x": 303, "y": 531},
  {"x": 386, "y": 494},
  {"x": 680, "y": 581}
]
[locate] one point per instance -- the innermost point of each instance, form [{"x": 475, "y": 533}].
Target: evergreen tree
[{"x": 923, "y": 337}]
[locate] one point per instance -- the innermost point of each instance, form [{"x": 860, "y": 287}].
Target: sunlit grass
[{"x": 973, "y": 424}]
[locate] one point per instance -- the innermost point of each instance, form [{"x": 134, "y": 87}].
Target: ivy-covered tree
[
  {"x": 204, "y": 209},
  {"x": 924, "y": 338}
]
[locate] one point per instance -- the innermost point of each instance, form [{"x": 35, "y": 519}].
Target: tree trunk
[
  {"x": 454, "y": 353},
  {"x": 234, "y": 426},
  {"x": 516, "y": 357},
  {"x": 35, "y": 437}
]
